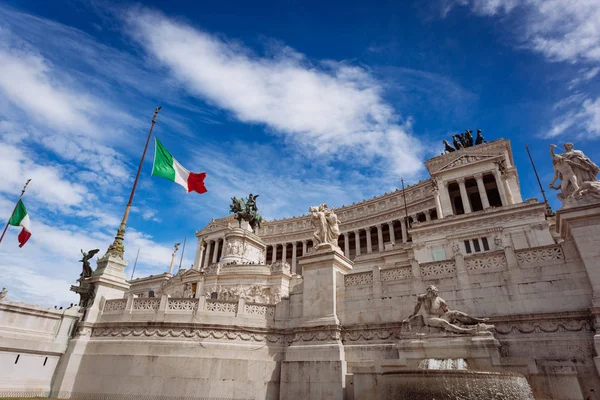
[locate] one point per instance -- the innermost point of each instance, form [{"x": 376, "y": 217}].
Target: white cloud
[
  {"x": 585, "y": 75},
  {"x": 561, "y": 30},
  {"x": 329, "y": 109},
  {"x": 48, "y": 184},
  {"x": 581, "y": 120}
]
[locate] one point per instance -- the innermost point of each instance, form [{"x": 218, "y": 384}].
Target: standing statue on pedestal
[
  {"x": 85, "y": 260},
  {"x": 247, "y": 211},
  {"x": 325, "y": 224},
  {"x": 3, "y": 293},
  {"x": 435, "y": 313},
  {"x": 576, "y": 172}
]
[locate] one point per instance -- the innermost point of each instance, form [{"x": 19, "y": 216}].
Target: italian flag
[
  {"x": 167, "y": 167},
  {"x": 21, "y": 218}
]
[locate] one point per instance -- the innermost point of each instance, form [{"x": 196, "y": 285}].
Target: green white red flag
[
  {"x": 165, "y": 166},
  {"x": 21, "y": 218}
]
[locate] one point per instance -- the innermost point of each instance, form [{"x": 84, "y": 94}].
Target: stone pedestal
[
  {"x": 323, "y": 270},
  {"x": 243, "y": 247},
  {"x": 580, "y": 220},
  {"x": 314, "y": 366},
  {"x": 108, "y": 283}
]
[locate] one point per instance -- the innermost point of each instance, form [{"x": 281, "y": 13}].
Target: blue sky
[{"x": 300, "y": 102}]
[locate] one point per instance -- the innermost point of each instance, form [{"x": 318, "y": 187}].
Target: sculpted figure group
[
  {"x": 576, "y": 172},
  {"x": 325, "y": 224},
  {"x": 435, "y": 313}
]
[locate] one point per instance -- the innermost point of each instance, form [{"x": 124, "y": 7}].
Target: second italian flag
[
  {"x": 21, "y": 218},
  {"x": 167, "y": 167}
]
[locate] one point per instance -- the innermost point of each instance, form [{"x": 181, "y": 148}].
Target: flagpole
[
  {"x": 549, "y": 212},
  {"x": 134, "y": 264},
  {"x": 117, "y": 248},
  {"x": 14, "y": 209},
  {"x": 182, "y": 251}
]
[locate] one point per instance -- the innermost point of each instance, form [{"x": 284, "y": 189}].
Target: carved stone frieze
[
  {"x": 131, "y": 332},
  {"x": 315, "y": 336},
  {"x": 544, "y": 326},
  {"x": 438, "y": 269}
]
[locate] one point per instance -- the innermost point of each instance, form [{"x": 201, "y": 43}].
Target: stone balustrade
[
  {"x": 438, "y": 269},
  {"x": 486, "y": 262},
  {"x": 540, "y": 255},
  {"x": 188, "y": 305}
]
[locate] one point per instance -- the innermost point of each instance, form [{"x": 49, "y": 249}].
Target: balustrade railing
[
  {"x": 184, "y": 304},
  {"x": 538, "y": 255},
  {"x": 363, "y": 278},
  {"x": 221, "y": 306},
  {"x": 146, "y": 304},
  {"x": 115, "y": 306},
  {"x": 396, "y": 274},
  {"x": 486, "y": 262},
  {"x": 438, "y": 269}
]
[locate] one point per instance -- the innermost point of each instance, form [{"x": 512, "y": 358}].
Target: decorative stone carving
[
  {"x": 549, "y": 326},
  {"x": 260, "y": 309},
  {"x": 527, "y": 257},
  {"x": 252, "y": 294},
  {"x": 115, "y": 306},
  {"x": 186, "y": 333},
  {"x": 364, "y": 278},
  {"x": 396, "y": 274},
  {"x": 325, "y": 225},
  {"x": 182, "y": 304},
  {"x": 438, "y": 269},
  {"x": 435, "y": 313},
  {"x": 146, "y": 304},
  {"x": 188, "y": 290},
  {"x": 485, "y": 263},
  {"x": 574, "y": 169},
  {"x": 279, "y": 266},
  {"x": 221, "y": 306}
]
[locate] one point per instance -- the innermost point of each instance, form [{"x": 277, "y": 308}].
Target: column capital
[
  {"x": 378, "y": 226},
  {"x": 357, "y": 232},
  {"x": 427, "y": 212},
  {"x": 460, "y": 180},
  {"x": 478, "y": 176},
  {"x": 391, "y": 223},
  {"x": 368, "y": 229}
]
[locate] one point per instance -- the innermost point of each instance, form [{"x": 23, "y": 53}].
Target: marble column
[
  {"x": 380, "y": 238},
  {"x": 369, "y": 245},
  {"x": 500, "y": 187},
  {"x": 294, "y": 255},
  {"x": 347, "y": 244},
  {"x": 199, "y": 254},
  {"x": 274, "y": 255},
  {"x": 428, "y": 215},
  {"x": 283, "y": 252},
  {"x": 357, "y": 242},
  {"x": 438, "y": 203},
  {"x": 507, "y": 190},
  {"x": 482, "y": 193},
  {"x": 216, "y": 251},
  {"x": 209, "y": 246},
  {"x": 463, "y": 195},
  {"x": 404, "y": 234},
  {"x": 304, "y": 247},
  {"x": 392, "y": 234}
]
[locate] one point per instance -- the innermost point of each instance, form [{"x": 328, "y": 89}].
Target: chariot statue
[{"x": 246, "y": 210}]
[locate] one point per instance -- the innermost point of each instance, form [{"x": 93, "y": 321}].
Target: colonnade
[
  {"x": 476, "y": 192},
  {"x": 367, "y": 240}
]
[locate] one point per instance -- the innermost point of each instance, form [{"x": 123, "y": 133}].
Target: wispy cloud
[
  {"x": 328, "y": 108},
  {"x": 561, "y": 30}
]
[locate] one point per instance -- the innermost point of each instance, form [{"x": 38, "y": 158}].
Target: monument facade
[{"x": 341, "y": 303}]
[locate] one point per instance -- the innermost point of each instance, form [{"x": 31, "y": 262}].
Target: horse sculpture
[{"x": 246, "y": 210}]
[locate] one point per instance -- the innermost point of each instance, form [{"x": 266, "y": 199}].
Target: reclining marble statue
[
  {"x": 576, "y": 172},
  {"x": 325, "y": 224},
  {"x": 436, "y": 314}
]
